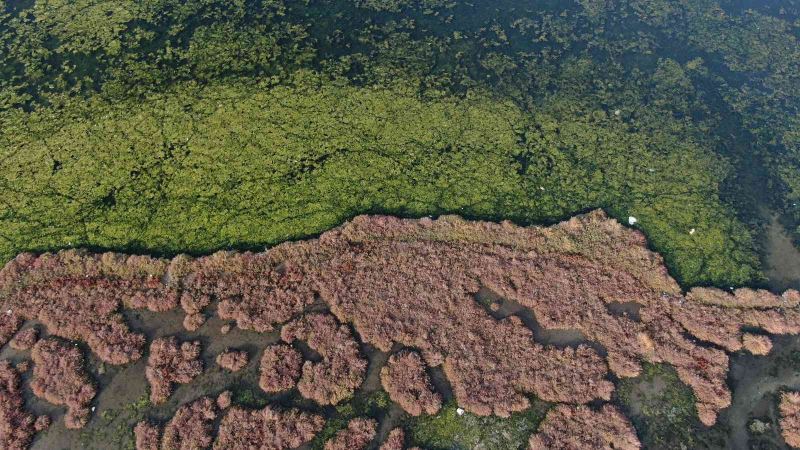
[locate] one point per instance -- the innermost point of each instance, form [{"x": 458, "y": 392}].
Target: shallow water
[{"x": 781, "y": 257}]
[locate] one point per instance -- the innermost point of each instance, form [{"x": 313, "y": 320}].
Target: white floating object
[
  {"x": 541, "y": 187},
  {"x": 8, "y": 312},
  {"x": 692, "y": 231},
  {"x": 617, "y": 112},
  {"x": 632, "y": 220},
  {"x": 459, "y": 411},
  {"x": 93, "y": 408}
]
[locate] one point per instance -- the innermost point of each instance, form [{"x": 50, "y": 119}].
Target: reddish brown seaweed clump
[
  {"x": 243, "y": 429},
  {"x": 25, "y": 339},
  {"x": 42, "y": 423},
  {"x": 790, "y": 418},
  {"x": 171, "y": 363},
  {"x": 233, "y": 360},
  {"x": 358, "y": 434},
  {"x": 280, "y": 368},
  {"x": 256, "y": 290},
  {"x": 147, "y": 435},
  {"x": 578, "y": 428},
  {"x": 395, "y": 440},
  {"x": 9, "y": 324},
  {"x": 16, "y": 425},
  {"x": 412, "y": 283},
  {"x": 77, "y": 295},
  {"x": 191, "y": 427},
  {"x": 224, "y": 400},
  {"x": 407, "y": 383},
  {"x": 342, "y": 368},
  {"x": 59, "y": 378}
]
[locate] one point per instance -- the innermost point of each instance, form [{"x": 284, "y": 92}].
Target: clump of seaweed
[
  {"x": 358, "y": 434},
  {"x": 9, "y": 324},
  {"x": 16, "y": 424},
  {"x": 790, "y": 418},
  {"x": 578, "y": 427},
  {"x": 59, "y": 377},
  {"x": 411, "y": 283},
  {"x": 232, "y": 360},
  {"x": 25, "y": 339},
  {"x": 342, "y": 368},
  {"x": 170, "y": 363},
  {"x": 148, "y": 435},
  {"x": 244, "y": 429},
  {"x": 191, "y": 427},
  {"x": 395, "y": 440},
  {"x": 280, "y": 368},
  {"x": 407, "y": 383}
]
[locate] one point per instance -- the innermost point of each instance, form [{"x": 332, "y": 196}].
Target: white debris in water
[
  {"x": 459, "y": 411},
  {"x": 541, "y": 187},
  {"x": 8, "y": 312},
  {"x": 617, "y": 112},
  {"x": 632, "y": 220},
  {"x": 93, "y": 408},
  {"x": 692, "y": 231}
]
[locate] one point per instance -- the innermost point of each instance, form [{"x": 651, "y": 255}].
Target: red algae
[
  {"x": 224, "y": 400},
  {"x": 16, "y": 424},
  {"x": 578, "y": 428},
  {"x": 232, "y": 360},
  {"x": 77, "y": 295},
  {"x": 411, "y": 283},
  {"x": 147, "y": 435},
  {"x": 59, "y": 377},
  {"x": 342, "y": 368},
  {"x": 266, "y": 429},
  {"x": 9, "y": 324},
  {"x": 790, "y": 418},
  {"x": 170, "y": 363},
  {"x": 358, "y": 434},
  {"x": 25, "y": 339},
  {"x": 395, "y": 440},
  {"x": 280, "y": 368},
  {"x": 191, "y": 427},
  {"x": 408, "y": 385}
]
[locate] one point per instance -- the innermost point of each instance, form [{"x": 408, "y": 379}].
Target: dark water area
[{"x": 781, "y": 257}]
